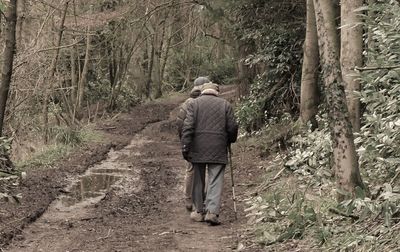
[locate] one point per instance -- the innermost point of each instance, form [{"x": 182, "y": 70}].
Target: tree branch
[
  {"x": 336, "y": 211},
  {"x": 371, "y": 68}
]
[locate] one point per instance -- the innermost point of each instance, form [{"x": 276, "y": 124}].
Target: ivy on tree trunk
[{"x": 345, "y": 159}]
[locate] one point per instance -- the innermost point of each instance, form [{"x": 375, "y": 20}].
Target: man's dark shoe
[{"x": 212, "y": 219}]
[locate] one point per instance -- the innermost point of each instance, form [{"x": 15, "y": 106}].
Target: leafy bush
[
  {"x": 221, "y": 72},
  {"x": 66, "y": 135},
  {"x": 379, "y": 139},
  {"x": 5, "y": 146},
  {"x": 100, "y": 92},
  {"x": 276, "y": 90},
  {"x": 5, "y": 151},
  {"x": 203, "y": 63},
  {"x": 46, "y": 158},
  {"x": 310, "y": 152},
  {"x": 250, "y": 112},
  {"x": 127, "y": 98}
]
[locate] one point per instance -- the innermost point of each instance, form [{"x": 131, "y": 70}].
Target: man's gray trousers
[{"x": 212, "y": 201}]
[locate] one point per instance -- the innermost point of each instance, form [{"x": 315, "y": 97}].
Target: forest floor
[{"x": 125, "y": 193}]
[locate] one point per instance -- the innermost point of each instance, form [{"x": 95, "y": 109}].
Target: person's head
[
  {"x": 200, "y": 81},
  {"x": 195, "y": 92}
]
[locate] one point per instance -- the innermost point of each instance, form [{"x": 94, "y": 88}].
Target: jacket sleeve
[
  {"x": 188, "y": 126},
  {"x": 231, "y": 124},
  {"x": 179, "y": 120}
]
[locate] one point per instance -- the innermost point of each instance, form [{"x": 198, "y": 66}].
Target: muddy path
[{"x": 131, "y": 199}]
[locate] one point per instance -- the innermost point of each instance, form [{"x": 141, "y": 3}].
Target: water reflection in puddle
[
  {"x": 89, "y": 186},
  {"x": 92, "y": 186}
]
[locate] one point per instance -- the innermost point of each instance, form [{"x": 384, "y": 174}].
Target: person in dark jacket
[
  {"x": 195, "y": 92},
  {"x": 209, "y": 128}
]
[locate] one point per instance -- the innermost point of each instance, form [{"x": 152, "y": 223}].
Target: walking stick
[{"x": 232, "y": 181}]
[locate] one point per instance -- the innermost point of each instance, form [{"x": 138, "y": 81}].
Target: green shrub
[
  {"x": 276, "y": 90},
  {"x": 379, "y": 139}
]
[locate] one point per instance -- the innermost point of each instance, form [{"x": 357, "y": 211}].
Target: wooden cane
[{"x": 232, "y": 181}]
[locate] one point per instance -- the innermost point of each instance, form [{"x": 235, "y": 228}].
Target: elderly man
[
  {"x": 194, "y": 93},
  {"x": 209, "y": 128}
]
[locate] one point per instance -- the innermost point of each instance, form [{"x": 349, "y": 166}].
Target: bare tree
[
  {"x": 9, "y": 51},
  {"x": 83, "y": 79},
  {"x": 49, "y": 91}
]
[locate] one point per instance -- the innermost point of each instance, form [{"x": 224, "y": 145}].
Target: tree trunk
[
  {"x": 83, "y": 79},
  {"x": 188, "y": 53},
  {"x": 49, "y": 77},
  {"x": 345, "y": 160},
  {"x": 21, "y": 10},
  {"x": 157, "y": 63},
  {"x": 74, "y": 76},
  {"x": 245, "y": 73},
  {"x": 166, "y": 51},
  {"x": 351, "y": 56},
  {"x": 309, "y": 98},
  {"x": 8, "y": 58},
  {"x": 149, "y": 67},
  {"x": 220, "y": 44}
]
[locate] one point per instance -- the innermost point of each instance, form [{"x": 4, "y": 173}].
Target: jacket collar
[{"x": 210, "y": 91}]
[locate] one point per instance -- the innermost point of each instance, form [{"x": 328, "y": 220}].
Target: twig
[
  {"x": 57, "y": 47},
  {"x": 88, "y": 218},
  {"x": 336, "y": 211},
  {"x": 105, "y": 237},
  {"x": 88, "y": 108},
  {"x": 106, "y": 128},
  {"x": 376, "y": 68},
  {"x": 115, "y": 116},
  {"x": 394, "y": 178},
  {"x": 279, "y": 173}
]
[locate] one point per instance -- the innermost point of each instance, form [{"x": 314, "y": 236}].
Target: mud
[
  {"x": 44, "y": 185},
  {"x": 123, "y": 196}
]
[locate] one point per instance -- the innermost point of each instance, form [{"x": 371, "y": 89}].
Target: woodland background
[{"x": 318, "y": 83}]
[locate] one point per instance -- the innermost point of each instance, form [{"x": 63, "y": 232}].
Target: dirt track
[{"x": 130, "y": 201}]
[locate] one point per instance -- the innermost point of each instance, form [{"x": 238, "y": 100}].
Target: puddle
[
  {"x": 89, "y": 186},
  {"x": 114, "y": 172}
]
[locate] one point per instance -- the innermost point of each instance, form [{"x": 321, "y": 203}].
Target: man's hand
[{"x": 185, "y": 152}]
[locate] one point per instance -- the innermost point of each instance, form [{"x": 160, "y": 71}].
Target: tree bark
[
  {"x": 157, "y": 62},
  {"x": 345, "y": 160},
  {"x": 74, "y": 76},
  {"x": 8, "y": 58},
  {"x": 83, "y": 80},
  {"x": 245, "y": 73},
  {"x": 309, "y": 98},
  {"x": 150, "y": 64},
  {"x": 167, "y": 50},
  {"x": 351, "y": 56},
  {"x": 188, "y": 53},
  {"x": 49, "y": 77},
  {"x": 21, "y": 12}
]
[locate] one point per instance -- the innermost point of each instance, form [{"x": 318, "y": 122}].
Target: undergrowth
[
  {"x": 301, "y": 208},
  {"x": 66, "y": 140}
]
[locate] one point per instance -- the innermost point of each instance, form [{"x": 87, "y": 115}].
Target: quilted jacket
[
  {"x": 183, "y": 110},
  {"x": 208, "y": 129}
]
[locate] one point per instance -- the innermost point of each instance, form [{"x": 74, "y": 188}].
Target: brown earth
[{"x": 125, "y": 194}]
